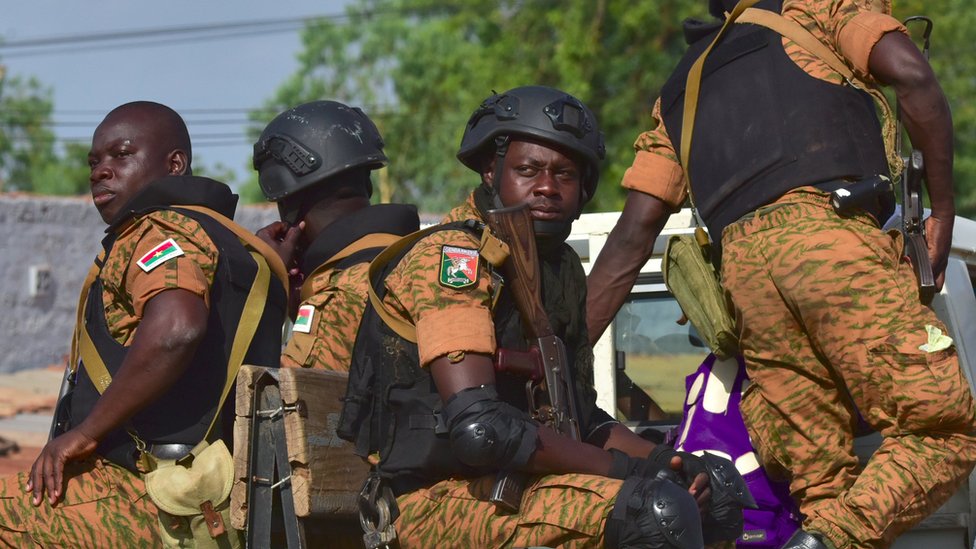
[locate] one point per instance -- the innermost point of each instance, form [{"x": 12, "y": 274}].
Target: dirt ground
[{"x": 27, "y": 400}]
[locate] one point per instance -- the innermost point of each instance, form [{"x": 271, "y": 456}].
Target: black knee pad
[
  {"x": 653, "y": 514},
  {"x": 486, "y": 432}
]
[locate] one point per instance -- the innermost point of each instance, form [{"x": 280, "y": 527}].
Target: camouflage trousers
[
  {"x": 831, "y": 324},
  {"x": 104, "y": 506},
  {"x": 566, "y": 511}
]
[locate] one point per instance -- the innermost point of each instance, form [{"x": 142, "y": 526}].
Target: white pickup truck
[{"x": 656, "y": 353}]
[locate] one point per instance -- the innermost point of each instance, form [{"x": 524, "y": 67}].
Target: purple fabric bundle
[{"x": 712, "y": 422}]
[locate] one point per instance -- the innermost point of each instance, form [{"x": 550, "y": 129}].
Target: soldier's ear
[
  {"x": 488, "y": 173},
  {"x": 179, "y": 164}
]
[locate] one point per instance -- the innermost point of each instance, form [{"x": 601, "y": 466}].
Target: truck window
[{"x": 655, "y": 353}]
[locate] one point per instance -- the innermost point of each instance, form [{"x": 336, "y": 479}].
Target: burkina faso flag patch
[
  {"x": 303, "y": 322},
  {"x": 159, "y": 255},
  {"x": 459, "y": 267}
]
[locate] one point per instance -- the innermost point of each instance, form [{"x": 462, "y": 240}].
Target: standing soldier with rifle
[
  {"x": 827, "y": 311},
  {"x": 432, "y": 394}
]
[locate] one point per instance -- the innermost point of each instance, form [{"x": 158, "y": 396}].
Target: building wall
[{"x": 46, "y": 246}]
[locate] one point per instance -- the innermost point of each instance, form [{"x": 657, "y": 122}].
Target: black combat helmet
[
  {"x": 541, "y": 112},
  {"x": 314, "y": 141}
]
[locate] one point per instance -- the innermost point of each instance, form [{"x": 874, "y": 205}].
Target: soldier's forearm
[{"x": 628, "y": 247}]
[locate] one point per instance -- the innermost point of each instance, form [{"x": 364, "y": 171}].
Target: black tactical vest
[
  {"x": 392, "y": 405},
  {"x": 183, "y": 414},
  {"x": 763, "y": 125},
  {"x": 396, "y": 219}
]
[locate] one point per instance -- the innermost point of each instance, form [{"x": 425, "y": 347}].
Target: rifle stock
[{"x": 513, "y": 225}]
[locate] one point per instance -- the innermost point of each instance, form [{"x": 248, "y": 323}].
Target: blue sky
[{"x": 207, "y": 81}]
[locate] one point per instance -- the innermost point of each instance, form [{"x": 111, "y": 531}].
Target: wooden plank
[
  {"x": 242, "y": 435},
  {"x": 326, "y": 474}
]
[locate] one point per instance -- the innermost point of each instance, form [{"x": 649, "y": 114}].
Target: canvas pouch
[
  {"x": 193, "y": 496},
  {"x": 691, "y": 277}
]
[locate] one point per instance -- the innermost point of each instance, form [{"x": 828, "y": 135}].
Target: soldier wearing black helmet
[
  {"x": 424, "y": 394},
  {"x": 315, "y": 160}
]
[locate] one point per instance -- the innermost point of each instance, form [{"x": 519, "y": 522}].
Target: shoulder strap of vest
[
  {"x": 374, "y": 240},
  {"x": 802, "y": 37},
  {"x": 80, "y": 311},
  {"x": 692, "y": 86},
  {"x": 271, "y": 256},
  {"x": 491, "y": 248}
]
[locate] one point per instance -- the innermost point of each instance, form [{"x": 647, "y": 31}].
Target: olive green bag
[
  {"x": 691, "y": 278},
  {"x": 689, "y": 272},
  {"x": 193, "y": 497}
]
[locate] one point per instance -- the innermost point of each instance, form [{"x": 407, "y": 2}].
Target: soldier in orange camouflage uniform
[
  {"x": 340, "y": 232},
  {"x": 830, "y": 321},
  {"x": 147, "y": 310},
  {"x": 444, "y": 423}
]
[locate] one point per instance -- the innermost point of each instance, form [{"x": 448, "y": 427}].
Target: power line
[
  {"x": 170, "y": 32},
  {"x": 76, "y": 43}
]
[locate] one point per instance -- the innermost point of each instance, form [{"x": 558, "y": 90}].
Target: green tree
[
  {"x": 954, "y": 62},
  {"x": 421, "y": 66},
  {"x": 29, "y": 159}
]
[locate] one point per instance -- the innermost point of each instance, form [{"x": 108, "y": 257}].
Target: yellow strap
[
  {"x": 80, "y": 311},
  {"x": 795, "y": 32},
  {"x": 254, "y": 305},
  {"x": 374, "y": 240},
  {"x": 274, "y": 261},
  {"x": 692, "y": 88},
  {"x": 92, "y": 361},
  {"x": 403, "y": 328}
]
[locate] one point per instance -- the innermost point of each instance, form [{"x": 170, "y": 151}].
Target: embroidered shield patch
[
  {"x": 459, "y": 267},
  {"x": 159, "y": 255},
  {"x": 303, "y": 322}
]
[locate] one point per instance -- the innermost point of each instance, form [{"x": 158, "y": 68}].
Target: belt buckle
[{"x": 170, "y": 451}]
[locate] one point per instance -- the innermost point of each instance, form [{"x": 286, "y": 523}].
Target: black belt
[{"x": 169, "y": 451}]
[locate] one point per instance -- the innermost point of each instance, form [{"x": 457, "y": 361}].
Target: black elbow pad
[{"x": 486, "y": 432}]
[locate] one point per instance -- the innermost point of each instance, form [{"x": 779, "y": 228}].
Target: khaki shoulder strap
[
  {"x": 491, "y": 248},
  {"x": 802, "y": 37},
  {"x": 271, "y": 256},
  {"x": 374, "y": 240}
]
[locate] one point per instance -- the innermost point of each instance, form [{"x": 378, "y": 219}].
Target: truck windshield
[{"x": 655, "y": 353}]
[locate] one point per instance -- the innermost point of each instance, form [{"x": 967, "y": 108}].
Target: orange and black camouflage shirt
[
  {"x": 850, "y": 28},
  {"x": 325, "y": 331},
  {"x": 443, "y": 288},
  {"x": 159, "y": 251}
]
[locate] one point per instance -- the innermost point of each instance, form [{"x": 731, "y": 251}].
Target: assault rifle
[
  {"x": 549, "y": 387},
  {"x": 551, "y": 397},
  {"x": 912, "y": 223}
]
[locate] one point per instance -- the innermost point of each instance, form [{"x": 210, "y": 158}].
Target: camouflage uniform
[
  {"x": 557, "y": 510},
  {"x": 104, "y": 504},
  {"x": 338, "y": 297},
  {"x": 335, "y": 291},
  {"x": 831, "y": 325}
]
